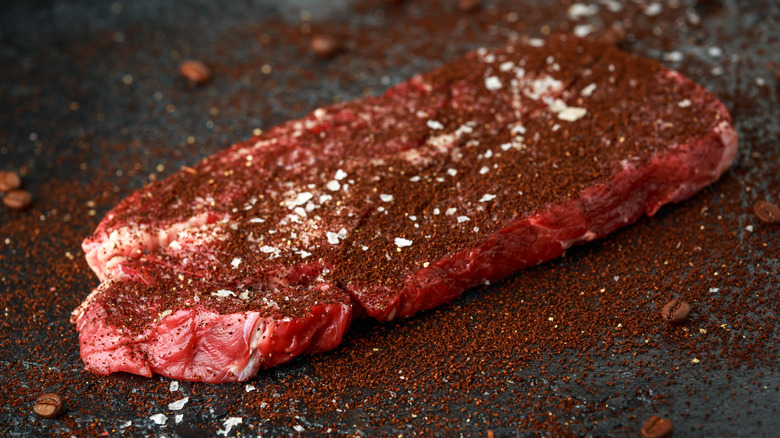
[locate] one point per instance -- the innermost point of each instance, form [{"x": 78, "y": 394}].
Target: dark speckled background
[{"x": 91, "y": 107}]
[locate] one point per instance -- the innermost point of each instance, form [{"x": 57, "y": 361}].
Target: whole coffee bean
[
  {"x": 49, "y": 405},
  {"x": 766, "y": 212},
  {"x": 195, "y": 71},
  {"x": 9, "y": 181},
  {"x": 17, "y": 199},
  {"x": 676, "y": 311},
  {"x": 324, "y": 46},
  {"x": 469, "y": 5},
  {"x": 656, "y": 427}
]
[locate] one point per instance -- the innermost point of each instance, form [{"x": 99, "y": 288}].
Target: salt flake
[
  {"x": 579, "y": 10},
  {"x": 433, "y": 124},
  {"x": 228, "y": 425},
  {"x": 492, "y": 83},
  {"x": 333, "y": 185},
  {"x": 340, "y": 174},
  {"x": 462, "y": 219},
  {"x": 174, "y": 386},
  {"x": 401, "y": 242},
  {"x": 236, "y": 261},
  {"x": 300, "y": 199},
  {"x": 588, "y": 91},
  {"x": 685, "y": 103},
  {"x": 159, "y": 419},
  {"x": 223, "y": 293},
  {"x": 385, "y": 197},
  {"x": 333, "y": 238},
  {"x": 484, "y": 170},
  {"x": 487, "y": 197},
  {"x": 572, "y": 114},
  {"x": 583, "y": 30},
  {"x": 177, "y": 405}
]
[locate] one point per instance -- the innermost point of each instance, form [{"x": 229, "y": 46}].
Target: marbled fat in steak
[{"x": 389, "y": 205}]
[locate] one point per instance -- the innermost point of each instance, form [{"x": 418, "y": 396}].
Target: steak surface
[{"x": 390, "y": 205}]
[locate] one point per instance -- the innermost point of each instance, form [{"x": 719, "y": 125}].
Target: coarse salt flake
[
  {"x": 385, "y": 197},
  {"x": 583, "y": 30},
  {"x": 685, "y": 103},
  {"x": 433, "y": 124},
  {"x": 267, "y": 249},
  {"x": 174, "y": 386},
  {"x": 588, "y": 91},
  {"x": 653, "y": 9},
  {"x": 300, "y": 199},
  {"x": 452, "y": 172},
  {"x": 333, "y": 185},
  {"x": 572, "y": 114},
  {"x": 579, "y": 10},
  {"x": 159, "y": 419},
  {"x": 228, "y": 425},
  {"x": 462, "y": 219},
  {"x": 177, "y": 405},
  {"x": 484, "y": 170},
  {"x": 450, "y": 211},
  {"x": 304, "y": 254},
  {"x": 298, "y": 428},
  {"x": 674, "y": 56},
  {"x": 256, "y": 220},
  {"x": 713, "y": 290},
  {"x": 223, "y": 293},
  {"x": 492, "y": 83},
  {"x": 236, "y": 261},
  {"x": 333, "y": 238},
  {"x": 487, "y": 197},
  {"x": 506, "y": 66},
  {"x": 401, "y": 242},
  {"x": 340, "y": 174}
]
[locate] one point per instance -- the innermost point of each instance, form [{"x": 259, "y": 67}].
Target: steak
[{"x": 389, "y": 205}]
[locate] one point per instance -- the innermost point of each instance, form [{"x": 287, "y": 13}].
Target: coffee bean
[
  {"x": 469, "y": 5},
  {"x": 17, "y": 199},
  {"x": 766, "y": 212},
  {"x": 656, "y": 427},
  {"x": 195, "y": 71},
  {"x": 9, "y": 181},
  {"x": 676, "y": 311},
  {"x": 49, "y": 405},
  {"x": 324, "y": 46}
]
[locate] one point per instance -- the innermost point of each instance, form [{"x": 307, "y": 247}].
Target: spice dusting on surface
[{"x": 82, "y": 139}]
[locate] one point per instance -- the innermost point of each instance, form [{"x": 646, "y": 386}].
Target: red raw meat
[{"x": 390, "y": 205}]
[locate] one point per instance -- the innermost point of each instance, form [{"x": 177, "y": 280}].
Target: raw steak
[{"x": 390, "y": 205}]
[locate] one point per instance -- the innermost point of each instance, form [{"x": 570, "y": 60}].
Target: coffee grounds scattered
[{"x": 571, "y": 347}]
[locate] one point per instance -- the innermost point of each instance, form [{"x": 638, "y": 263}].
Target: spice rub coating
[{"x": 390, "y": 205}]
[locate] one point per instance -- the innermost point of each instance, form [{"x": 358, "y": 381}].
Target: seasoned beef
[{"x": 390, "y": 205}]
